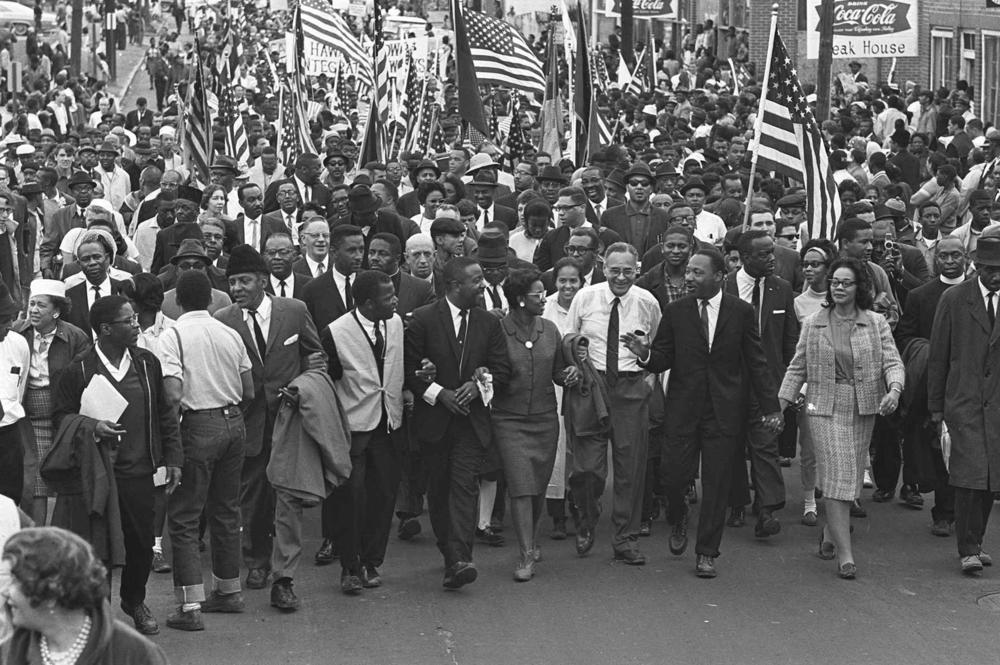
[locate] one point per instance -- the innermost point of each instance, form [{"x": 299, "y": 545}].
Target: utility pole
[
  {"x": 76, "y": 37},
  {"x": 628, "y": 33},
  {"x": 110, "y": 30},
  {"x": 825, "y": 64}
]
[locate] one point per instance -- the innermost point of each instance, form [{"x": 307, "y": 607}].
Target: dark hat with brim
[
  {"x": 446, "y": 226},
  {"x": 190, "y": 249},
  {"x": 362, "y": 200},
  {"x": 29, "y": 188},
  {"x": 988, "y": 252},
  {"x": 225, "y": 162},
  {"x": 639, "y": 169},
  {"x": 553, "y": 173},
  {"x": 80, "y": 178},
  {"x": 492, "y": 246},
  {"x": 694, "y": 183},
  {"x": 245, "y": 259}
]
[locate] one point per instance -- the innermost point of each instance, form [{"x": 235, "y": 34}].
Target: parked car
[{"x": 19, "y": 18}]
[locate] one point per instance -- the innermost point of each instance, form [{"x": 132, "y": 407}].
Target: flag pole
[{"x": 759, "y": 120}]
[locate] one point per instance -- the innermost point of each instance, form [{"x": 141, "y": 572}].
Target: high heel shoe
[{"x": 827, "y": 550}]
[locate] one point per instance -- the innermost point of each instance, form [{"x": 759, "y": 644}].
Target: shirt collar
[
  {"x": 263, "y": 309},
  {"x": 365, "y": 323},
  {"x": 126, "y": 359},
  {"x": 715, "y": 301},
  {"x": 952, "y": 280},
  {"x": 276, "y": 283},
  {"x": 982, "y": 288}
]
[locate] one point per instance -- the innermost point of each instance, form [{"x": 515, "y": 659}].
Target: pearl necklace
[{"x": 75, "y": 650}]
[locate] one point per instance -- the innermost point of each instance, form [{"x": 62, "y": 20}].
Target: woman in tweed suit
[{"x": 847, "y": 357}]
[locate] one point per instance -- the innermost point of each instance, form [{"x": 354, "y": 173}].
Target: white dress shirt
[
  {"x": 289, "y": 220},
  {"x": 15, "y": 361},
  {"x": 38, "y": 375},
  {"x": 491, "y": 211},
  {"x": 314, "y": 268},
  {"x": 714, "y": 303},
  {"x": 105, "y": 288},
  {"x": 263, "y": 319},
  {"x": 986, "y": 300},
  {"x": 590, "y": 311},
  {"x": 341, "y": 282},
  {"x": 289, "y": 285},
  {"x": 498, "y": 290},
  {"x": 431, "y": 394},
  {"x": 117, "y": 372},
  {"x": 369, "y": 327},
  {"x": 305, "y": 191},
  {"x": 251, "y": 231}
]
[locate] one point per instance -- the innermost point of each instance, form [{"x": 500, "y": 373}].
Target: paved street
[{"x": 774, "y": 602}]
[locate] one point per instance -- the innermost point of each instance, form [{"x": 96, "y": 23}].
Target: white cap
[
  {"x": 25, "y": 149},
  {"x": 649, "y": 109},
  {"x": 167, "y": 130},
  {"x": 48, "y": 287}
]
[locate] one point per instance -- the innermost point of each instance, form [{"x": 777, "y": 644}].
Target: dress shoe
[
  {"x": 785, "y": 461},
  {"x": 584, "y": 540},
  {"x": 325, "y": 555},
  {"x": 182, "y": 620},
  {"x": 409, "y": 527},
  {"x": 142, "y": 618},
  {"x": 857, "y": 510},
  {"x": 985, "y": 558},
  {"x": 631, "y": 557},
  {"x": 705, "y": 567},
  {"x": 941, "y": 528},
  {"x": 558, "y": 529},
  {"x": 525, "y": 568},
  {"x": 257, "y": 578},
  {"x": 370, "y": 578},
  {"x": 351, "y": 584},
  {"x": 496, "y": 525},
  {"x": 645, "y": 529},
  {"x": 910, "y": 497},
  {"x": 282, "y": 595},
  {"x": 767, "y": 525},
  {"x": 971, "y": 564},
  {"x": 847, "y": 571},
  {"x": 737, "y": 517},
  {"x": 225, "y": 603},
  {"x": 489, "y": 536},
  {"x": 692, "y": 494},
  {"x": 678, "y": 541},
  {"x": 883, "y": 496},
  {"x": 809, "y": 518},
  {"x": 160, "y": 563},
  {"x": 462, "y": 573}
]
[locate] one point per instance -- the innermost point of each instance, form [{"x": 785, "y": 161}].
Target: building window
[
  {"x": 967, "y": 68},
  {"x": 942, "y": 56},
  {"x": 989, "y": 111}
]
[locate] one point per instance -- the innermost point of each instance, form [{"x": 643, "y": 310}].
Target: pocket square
[{"x": 291, "y": 340}]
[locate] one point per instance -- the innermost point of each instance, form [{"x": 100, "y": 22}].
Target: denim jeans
[{"x": 213, "y": 459}]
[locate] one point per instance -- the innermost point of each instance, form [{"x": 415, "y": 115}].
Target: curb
[{"x": 131, "y": 78}]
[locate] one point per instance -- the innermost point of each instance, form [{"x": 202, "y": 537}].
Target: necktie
[
  {"x": 991, "y": 310},
  {"x": 290, "y": 221},
  {"x": 320, "y": 269},
  {"x": 755, "y": 301},
  {"x": 704, "y": 323},
  {"x": 597, "y": 211},
  {"x": 258, "y": 334},
  {"x": 463, "y": 327},
  {"x": 611, "y": 370},
  {"x": 495, "y": 298},
  {"x": 281, "y": 285},
  {"x": 97, "y": 292},
  {"x": 486, "y": 217},
  {"x": 348, "y": 298},
  {"x": 379, "y": 345},
  {"x": 254, "y": 239}
]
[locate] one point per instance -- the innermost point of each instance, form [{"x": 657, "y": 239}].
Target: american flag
[
  {"x": 376, "y": 144},
  {"x": 237, "y": 145},
  {"x": 293, "y": 117},
  {"x": 330, "y": 31},
  {"x": 501, "y": 55},
  {"x": 413, "y": 104},
  {"x": 644, "y": 76},
  {"x": 197, "y": 140},
  {"x": 787, "y": 140}
]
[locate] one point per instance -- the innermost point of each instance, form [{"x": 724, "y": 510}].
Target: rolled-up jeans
[{"x": 214, "y": 442}]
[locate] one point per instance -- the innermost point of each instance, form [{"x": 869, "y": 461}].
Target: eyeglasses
[
  {"x": 620, "y": 272},
  {"x": 682, "y": 218},
  {"x": 639, "y": 183},
  {"x": 577, "y": 249},
  {"x": 132, "y": 321},
  {"x": 6, "y": 211},
  {"x": 845, "y": 283},
  {"x": 325, "y": 236},
  {"x": 788, "y": 236}
]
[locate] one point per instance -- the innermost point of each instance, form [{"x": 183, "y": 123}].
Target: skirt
[
  {"x": 841, "y": 444},
  {"x": 38, "y": 408},
  {"x": 527, "y": 447}
]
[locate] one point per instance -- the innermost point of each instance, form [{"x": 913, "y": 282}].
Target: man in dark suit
[
  {"x": 94, "y": 257},
  {"x": 140, "y": 115},
  {"x": 963, "y": 370},
  {"x": 306, "y": 180},
  {"x": 287, "y": 213},
  {"x": 710, "y": 343},
  {"x": 168, "y": 240},
  {"x": 570, "y": 211},
  {"x": 282, "y": 343},
  {"x": 598, "y": 199},
  {"x": 368, "y": 215},
  {"x": 383, "y": 255},
  {"x": 585, "y": 246},
  {"x": 923, "y": 464},
  {"x": 482, "y": 188},
  {"x": 464, "y": 343},
  {"x": 279, "y": 253},
  {"x": 904, "y": 264},
  {"x": 408, "y": 205},
  {"x": 68, "y": 217},
  {"x": 907, "y": 163},
  {"x": 249, "y": 224},
  {"x": 524, "y": 180},
  {"x": 774, "y": 312},
  {"x": 637, "y": 222}
]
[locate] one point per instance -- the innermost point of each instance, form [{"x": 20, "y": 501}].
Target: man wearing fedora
[
  {"x": 191, "y": 255},
  {"x": 94, "y": 256},
  {"x": 636, "y": 221},
  {"x": 282, "y": 343},
  {"x": 481, "y": 162},
  {"x": 408, "y": 204},
  {"x": 963, "y": 370},
  {"x": 169, "y": 239},
  {"x": 483, "y": 187},
  {"x": 115, "y": 181},
  {"x": 550, "y": 180},
  {"x": 68, "y": 217}
]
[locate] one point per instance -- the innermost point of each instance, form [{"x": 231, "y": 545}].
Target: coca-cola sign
[
  {"x": 867, "y": 29},
  {"x": 642, "y": 8},
  {"x": 858, "y": 17}
]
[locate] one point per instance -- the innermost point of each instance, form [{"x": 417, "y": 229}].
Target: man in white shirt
[
  {"x": 15, "y": 361},
  {"x": 316, "y": 241},
  {"x": 115, "y": 181},
  {"x": 709, "y": 227}
]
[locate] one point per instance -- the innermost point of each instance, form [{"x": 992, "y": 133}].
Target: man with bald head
[{"x": 420, "y": 256}]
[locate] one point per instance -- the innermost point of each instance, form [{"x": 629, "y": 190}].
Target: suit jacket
[
  {"x": 779, "y": 326},
  {"x": 617, "y": 220},
  {"x": 301, "y": 267},
  {"x": 431, "y": 334},
  {"x": 609, "y": 203},
  {"x": 915, "y": 272},
  {"x": 909, "y": 167},
  {"x": 789, "y": 267},
  {"x": 291, "y": 338},
  {"x": 279, "y": 217},
  {"x": 722, "y": 377},
  {"x": 550, "y": 249},
  {"x": 408, "y": 204},
  {"x": 60, "y": 222},
  {"x": 323, "y": 300},
  {"x": 501, "y": 214},
  {"x": 298, "y": 288},
  {"x": 917, "y": 320},
  {"x": 320, "y": 194},
  {"x": 134, "y": 118},
  {"x": 168, "y": 241},
  {"x": 267, "y": 227},
  {"x": 411, "y": 293},
  {"x": 79, "y": 314}
]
